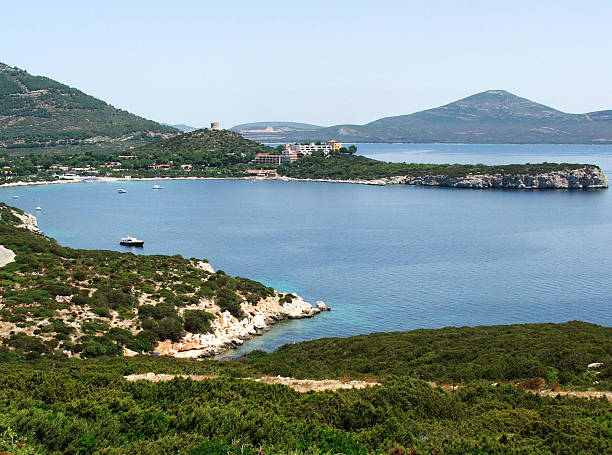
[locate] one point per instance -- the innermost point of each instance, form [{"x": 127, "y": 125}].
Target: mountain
[
  {"x": 42, "y": 114},
  {"x": 494, "y": 116},
  {"x": 182, "y": 127},
  {"x": 272, "y": 131}
]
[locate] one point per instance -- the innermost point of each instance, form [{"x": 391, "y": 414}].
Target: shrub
[
  {"x": 198, "y": 321},
  {"x": 228, "y": 300}
]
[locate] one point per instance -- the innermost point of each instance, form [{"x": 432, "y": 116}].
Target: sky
[{"x": 322, "y": 62}]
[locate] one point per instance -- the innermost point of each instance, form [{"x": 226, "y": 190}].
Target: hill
[
  {"x": 494, "y": 116},
  {"x": 57, "y": 405},
  {"x": 271, "y": 131},
  {"x": 38, "y": 113},
  {"x": 88, "y": 303},
  {"x": 455, "y": 354},
  {"x": 218, "y": 151}
]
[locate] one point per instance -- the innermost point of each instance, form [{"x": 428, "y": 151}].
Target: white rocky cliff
[
  {"x": 229, "y": 331},
  {"x": 583, "y": 178}
]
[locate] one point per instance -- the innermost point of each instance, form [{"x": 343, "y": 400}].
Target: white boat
[
  {"x": 38, "y": 208},
  {"x": 121, "y": 190},
  {"x": 158, "y": 187},
  {"x": 15, "y": 197},
  {"x": 131, "y": 241}
]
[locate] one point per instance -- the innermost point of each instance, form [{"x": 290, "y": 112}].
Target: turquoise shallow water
[{"x": 385, "y": 258}]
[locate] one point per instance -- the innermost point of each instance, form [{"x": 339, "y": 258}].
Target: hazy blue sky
[{"x": 322, "y": 62}]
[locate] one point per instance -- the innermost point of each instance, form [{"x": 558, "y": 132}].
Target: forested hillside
[{"x": 40, "y": 114}]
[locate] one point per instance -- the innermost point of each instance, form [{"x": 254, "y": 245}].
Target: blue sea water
[{"x": 384, "y": 258}]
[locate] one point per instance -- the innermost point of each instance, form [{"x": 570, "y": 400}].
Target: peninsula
[
  {"x": 89, "y": 303},
  {"x": 211, "y": 153}
]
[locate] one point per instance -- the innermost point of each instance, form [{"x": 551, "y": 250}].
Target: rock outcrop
[
  {"x": 229, "y": 332},
  {"x": 583, "y": 178},
  {"x": 28, "y": 221}
]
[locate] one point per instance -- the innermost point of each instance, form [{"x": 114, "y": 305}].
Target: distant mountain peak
[
  {"x": 492, "y": 117},
  {"x": 494, "y": 105}
]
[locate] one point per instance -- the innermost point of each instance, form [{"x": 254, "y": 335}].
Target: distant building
[
  {"x": 266, "y": 158},
  {"x": 307, "y": 149},
  {"x": 215, "y": 126}
]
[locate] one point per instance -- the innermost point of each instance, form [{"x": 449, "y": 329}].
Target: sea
[{"x": 384, "y": 258}]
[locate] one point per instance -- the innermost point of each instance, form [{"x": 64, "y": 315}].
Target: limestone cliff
[
  {"x": 583, "y": 178},
  {"x": 229, "y": 331}
]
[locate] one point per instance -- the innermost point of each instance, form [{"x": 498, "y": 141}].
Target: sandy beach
[{"x": 376, "y": 182}]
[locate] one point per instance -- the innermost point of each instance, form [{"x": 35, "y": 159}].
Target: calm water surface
[{"x": 385, "y": 258}]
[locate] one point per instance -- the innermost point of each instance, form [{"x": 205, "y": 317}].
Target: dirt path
[
  {"x": 569, "y": 393},
  {"x": 6, "y": 256},
  {"x": 547, "y": 393},
  {"x": 299, "y": 385}
]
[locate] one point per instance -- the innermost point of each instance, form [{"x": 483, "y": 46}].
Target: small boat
[
  {"x": 131, "y": 241},
  {"x": 121, "y": 190},
  {"x": 158, "y": 187},
  {"x": 38, "y": 208},
  {"x": 15, "y": 197}
]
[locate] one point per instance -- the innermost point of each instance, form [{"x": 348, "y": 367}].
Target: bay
[{"x": 384, "y": 258}]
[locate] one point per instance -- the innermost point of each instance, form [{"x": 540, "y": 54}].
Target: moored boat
[{"x": 131, "y": 241}]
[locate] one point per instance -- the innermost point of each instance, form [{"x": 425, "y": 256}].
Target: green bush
[{"x": 198, "y": 321}]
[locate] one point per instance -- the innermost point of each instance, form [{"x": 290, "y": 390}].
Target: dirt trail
[
  {"x": 569, "y": 393},
  {"x": 299, "y": 385},
  {"x": 547, "y": 393}
]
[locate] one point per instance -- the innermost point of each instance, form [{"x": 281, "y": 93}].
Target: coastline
[
  {"x": 226, "y": 330},
  {"x": 588, "y": 177}
]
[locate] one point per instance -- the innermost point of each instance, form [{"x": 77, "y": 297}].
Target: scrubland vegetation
[{"x": 92, "y": 303}]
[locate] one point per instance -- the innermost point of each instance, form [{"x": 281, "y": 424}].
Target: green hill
[
  {"x": 494, "y": 116},
  {"x": 38, "y": 113},
  {"x": 205, "y": 140},
  {"x": 210, "y": 152},
  {"x": 455, "y": 354}
]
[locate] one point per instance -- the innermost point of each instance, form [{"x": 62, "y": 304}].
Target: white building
[{"x": 307, "y": 149}]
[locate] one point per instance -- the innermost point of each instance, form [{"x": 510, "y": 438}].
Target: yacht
[
  {"x": 131, "y": 241},
  {"x": 15, "y": 197},
  {"x": 158, "y": 187},
  {"x": 121, "y": 190},
  {"x": 38, "y": 208}
]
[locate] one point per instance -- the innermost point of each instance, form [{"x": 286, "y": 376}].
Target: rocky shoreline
[
  {"x": 587, "y": 177},
  {"x": 582, "y": 178},
  {"x": 226, "y": 331},
  {"x": 229, "y": 332}
]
